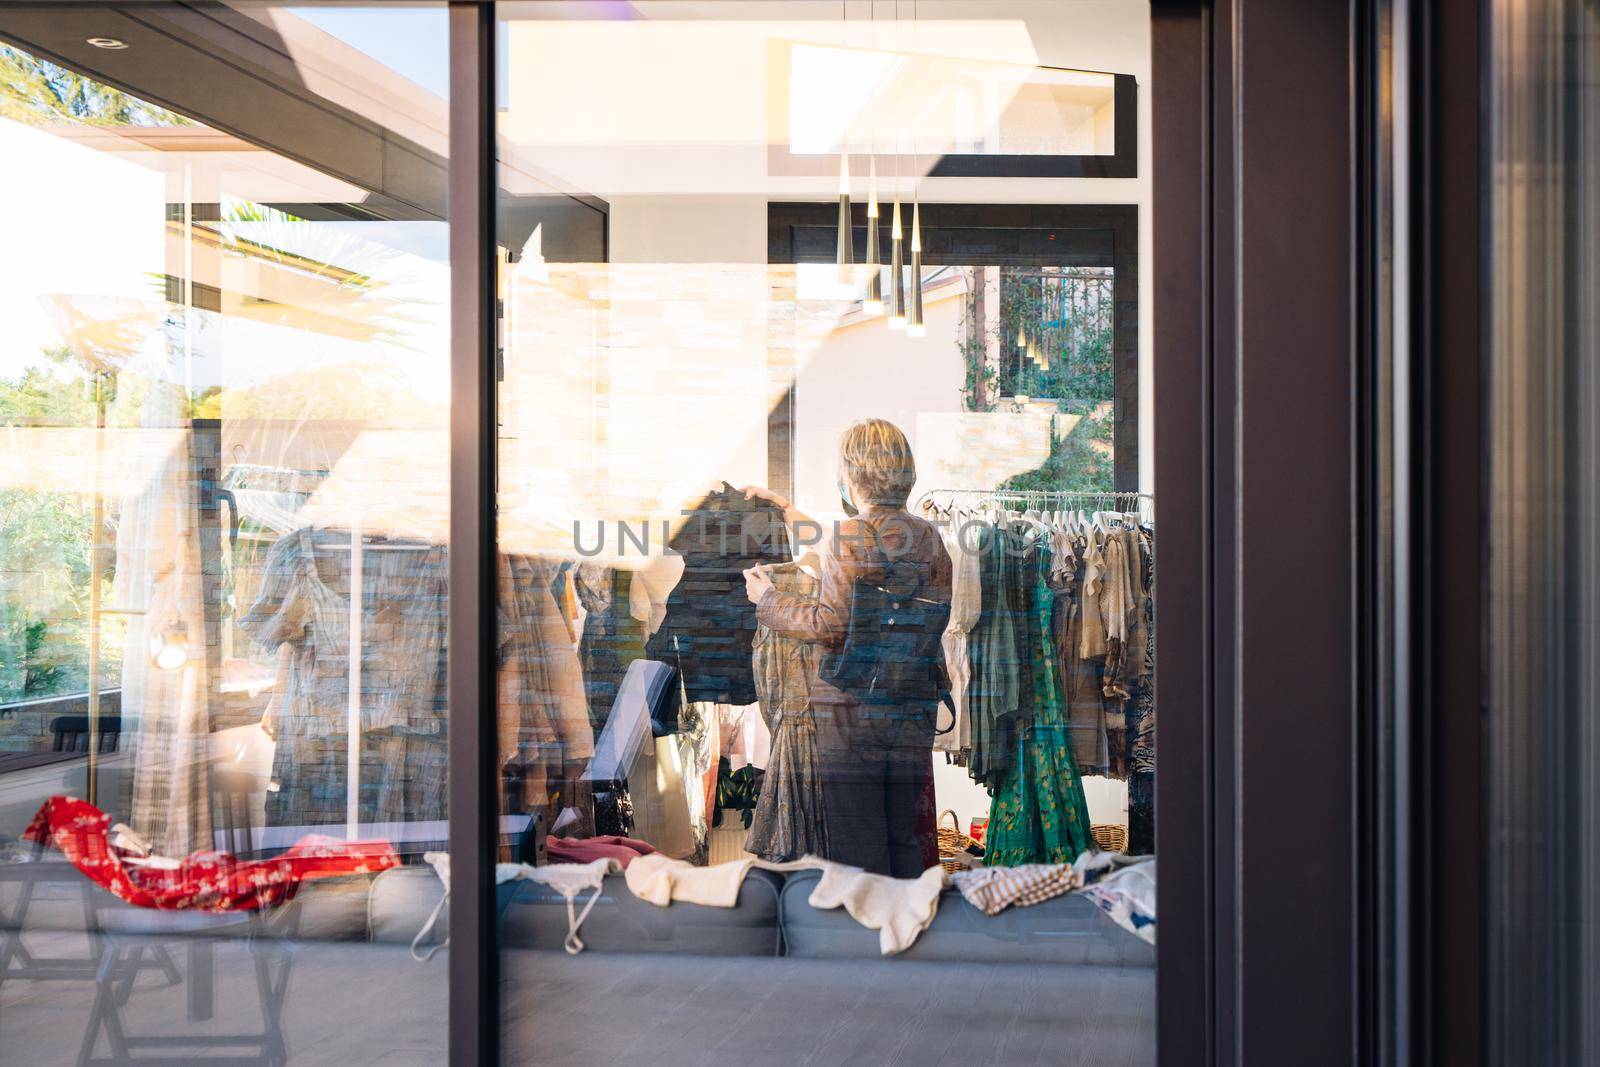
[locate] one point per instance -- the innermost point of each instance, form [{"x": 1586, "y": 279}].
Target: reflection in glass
[
  {"x": 822, "y": 608},
  {"x": 223, "y": 400}
]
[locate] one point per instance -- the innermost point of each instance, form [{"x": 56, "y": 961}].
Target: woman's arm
[
  {"x": 824, "y": 618},
  {"x": 791, "y": 515}
]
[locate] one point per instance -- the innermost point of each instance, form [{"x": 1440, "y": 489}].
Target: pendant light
[
  {"x": 914, "y": 326},
  {"x": 846, "y": 252},
  {"x": 873, "y": 302},
  {"x": 897, "y": 273},
  {"x": 897, "y": 262}
]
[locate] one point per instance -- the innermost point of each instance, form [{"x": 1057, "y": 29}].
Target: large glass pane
[
  {"x": 224, "y": 388},
  {"x": 1542, "y": 813},
  {"x": 761, "y": 510}
]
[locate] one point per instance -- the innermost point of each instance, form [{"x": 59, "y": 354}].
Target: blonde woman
[{"x": 874, "y": 723}]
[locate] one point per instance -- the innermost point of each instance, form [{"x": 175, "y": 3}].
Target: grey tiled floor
[
  {"x": 348, "y": 1003},
  {"x": 354, "y": 1003}
]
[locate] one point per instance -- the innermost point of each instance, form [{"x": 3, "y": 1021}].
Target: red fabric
[
  {"x": 588, "y": 849},
  {"x": 205, "y": 881}
]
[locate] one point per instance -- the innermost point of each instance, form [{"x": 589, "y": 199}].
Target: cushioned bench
[
  {"x": 534, "y": 916},
  {"x": 771, "y": 918},
  {"x": 331, "y": 909},
  {"x": 1066, "y": 929}
]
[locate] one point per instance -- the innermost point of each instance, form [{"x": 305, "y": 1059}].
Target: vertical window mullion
[{"x": 473, "y": 959}]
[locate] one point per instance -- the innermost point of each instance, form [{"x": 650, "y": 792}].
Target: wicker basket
[
  {"x": 951, "y": 842},
  {"x": 1108, "y": 836}
]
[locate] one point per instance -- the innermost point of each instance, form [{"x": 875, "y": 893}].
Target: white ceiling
[{"x": 684, "y": 97}]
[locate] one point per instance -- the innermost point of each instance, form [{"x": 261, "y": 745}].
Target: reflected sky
[{"x": 407, "y": 38}]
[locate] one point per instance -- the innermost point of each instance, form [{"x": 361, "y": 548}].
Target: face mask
[{"x": 844, "y": 498}]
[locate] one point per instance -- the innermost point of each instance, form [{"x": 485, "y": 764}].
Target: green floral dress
[{"x": 1039, "y": 814}]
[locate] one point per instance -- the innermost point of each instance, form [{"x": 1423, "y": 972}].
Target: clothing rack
[{"x": 1045, "y": 498}]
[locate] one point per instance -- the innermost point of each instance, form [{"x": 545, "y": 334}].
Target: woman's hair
[{"x": 877, "y": 459}]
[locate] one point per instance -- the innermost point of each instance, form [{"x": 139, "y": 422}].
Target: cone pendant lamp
[
  {"x": 914, "y": 325},
  {"x": 872, "y": 303},
  {"x": 897, "y": 272},
  {"x": 846, "y": 255}
]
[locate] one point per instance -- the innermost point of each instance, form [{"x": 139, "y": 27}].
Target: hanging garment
[
  {"x": 710, "y": 625},
  {"x": 304, "y": 603},
  {"x": 1093, "y": 641},
  {"x": 204, "y": 881},
  {"x": 1082, "y": 679},
  {"x": 1138, "y": 659},
  {"x": 966, "y": 608},
  {"x": 1039, "y": 813},
  {"x": 697, "y": 755},
  {"x": 1141, "y": 716},
  {"x": 1119, "y": 610},
  {"x": 612, "y": 637},
  {"x": 746, "y": 739},
  {"x": 166, "y": 713},
  {"x": 1116, "y": 609},
  {"x": 543, "y": 715},
  {"x": 790, "y": 819},
  {"x": 998, "y": 692}
]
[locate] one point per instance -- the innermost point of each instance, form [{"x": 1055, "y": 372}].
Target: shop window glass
[
  {"x": 1540, "y": 812},
  {"x": 224, "y": 388},
  {"x": 751, "y": 533}
]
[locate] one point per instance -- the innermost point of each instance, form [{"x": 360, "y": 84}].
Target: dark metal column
[
  {"x": 1255, "y": 465},
  {"x": 1452, "y": 326},
  {"x": 473, "y": 971}
]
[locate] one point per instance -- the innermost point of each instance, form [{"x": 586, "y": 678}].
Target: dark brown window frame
[{"x": 1005, "y": 235}]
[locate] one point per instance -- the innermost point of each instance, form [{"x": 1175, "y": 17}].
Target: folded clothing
[
  {"x": 1128, "y": 895},
  {"x": 204, "y": 881},
  {"x": 588, "y": 849},
  {"x": 994, "y": 889}
]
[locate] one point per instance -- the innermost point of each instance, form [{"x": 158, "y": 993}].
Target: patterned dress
[
  {"x": 1142, "y": 717},
  {"x": 790, "y": 819},
  {"x": 1039, "y": 813}
]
